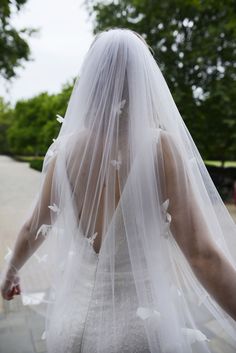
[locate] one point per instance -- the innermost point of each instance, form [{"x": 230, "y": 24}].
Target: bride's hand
[{"x": 10, "y": 287}]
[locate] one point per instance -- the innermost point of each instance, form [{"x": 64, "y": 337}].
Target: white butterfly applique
[
  {"x": 175, "y": 290},
  {"x": 164, "y": 207},
  {"x": 41, "y": 258},
  {"x": 144, "y": 313},
  {"x": 53, "y": 148},
  {"x": 92, "y": 238},
  {"x": 202, "y": 298},
  {"x": 50, "y": 153},
  {"x": 156, "y": 134},
  {"x": 193, "y": 335},
  {"x": 120, "y": 106},
  {"x": 117, "y": 163},
  {"x": 54, "y": 208},
  {"x": 33, "y": 298},
  {"x": 43, "y": 336},
  {"x": 8, "y": 254},
  {"x": 43, "y": 230},
  {"x": 60, "y": 119}
]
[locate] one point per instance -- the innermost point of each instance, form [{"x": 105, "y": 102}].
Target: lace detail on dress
[
  {"x": 126, "y": 333},
  {"x": 68, "y": 319},
  {"x": 75, "y": 324}
]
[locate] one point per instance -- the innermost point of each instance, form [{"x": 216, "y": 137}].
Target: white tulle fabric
[{"x": 105, "y": 184}]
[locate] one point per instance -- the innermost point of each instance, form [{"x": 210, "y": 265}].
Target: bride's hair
[{"x": 120, "y": 28}]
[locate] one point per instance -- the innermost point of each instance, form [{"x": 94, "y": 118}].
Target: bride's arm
[
  {"x": 191, "y": 232},
  {"x": 27, "y": 242}
]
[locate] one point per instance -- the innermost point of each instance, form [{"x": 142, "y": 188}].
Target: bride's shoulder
[
  {"x": 78, "y": 137},
  {"x": 161, "y": 134},
  {"x": 167, "y": 142}
]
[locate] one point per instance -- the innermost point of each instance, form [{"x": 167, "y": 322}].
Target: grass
[
  {"x": 218, "y": 163},
  {"x": 28, "y": 158},
  {"x": 34, "y": 162}
]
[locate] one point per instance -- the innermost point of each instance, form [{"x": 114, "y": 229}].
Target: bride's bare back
[{"x": 81, "y": 188}]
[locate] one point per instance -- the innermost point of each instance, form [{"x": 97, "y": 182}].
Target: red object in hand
[{"x": 9, "y": 288}]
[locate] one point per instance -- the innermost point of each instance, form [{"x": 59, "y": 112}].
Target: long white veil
[{"x": 124, "y": 176}]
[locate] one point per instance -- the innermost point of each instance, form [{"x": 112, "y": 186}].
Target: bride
[{"x": 128, "y": 241}]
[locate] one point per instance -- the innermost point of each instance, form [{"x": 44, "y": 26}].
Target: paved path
[{"x": 20, "y": 327}]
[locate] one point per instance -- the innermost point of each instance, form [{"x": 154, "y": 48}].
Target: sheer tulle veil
[{"x": 120, "y": 129}]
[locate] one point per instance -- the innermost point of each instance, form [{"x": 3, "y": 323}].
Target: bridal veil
[{"x": 125, "y": 177}]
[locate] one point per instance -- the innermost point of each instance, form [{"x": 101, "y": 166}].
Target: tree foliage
[
  {"x": 14, "y": 49},
  {"x": 5, "y": 122},
  {"x": 194, "y": 43},
  {"x": 31, "y": 124}
]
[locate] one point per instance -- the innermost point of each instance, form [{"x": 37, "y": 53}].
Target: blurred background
[{"x": 42, "y": 46}]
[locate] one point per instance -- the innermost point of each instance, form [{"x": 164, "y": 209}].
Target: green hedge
[{"x": 36, "y": 164}]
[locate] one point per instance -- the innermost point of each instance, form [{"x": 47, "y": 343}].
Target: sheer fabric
[{"x": 125, "y": 196}]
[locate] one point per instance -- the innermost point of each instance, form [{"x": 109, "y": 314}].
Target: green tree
[
  {"x": 14, "y": 49},
  {"x": 5, "y": 122},
  {"x": 220, "y": 109},
  {"x": 194, "y": 43},
  {"x": 34, "y": 124}
]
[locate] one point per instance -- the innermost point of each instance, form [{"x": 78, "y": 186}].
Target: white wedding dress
[
  {"x": 74, "y": 329},
  {"x": 98, "y": 317},
  {"x": 140, "y": 294}
]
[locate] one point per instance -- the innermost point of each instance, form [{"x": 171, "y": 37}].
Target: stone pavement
[{"x": 21, "y": 328}]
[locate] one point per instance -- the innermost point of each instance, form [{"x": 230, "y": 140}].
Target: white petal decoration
[
  {"x": 41, "y": 258},
  {"x": 60, "y": 119},
  {"x": 145, "y": 313},
  {"x": 54, "y": 208},
  {"x": 32, "y": 299},
  {"x": 165, "y": 205},
  {"x": 8, "y": 254},
  {"x": 176, "y": 290},
  {"x": 202, "y": 298},
  {"x": 168, "y": 217},
  {"x": 92, "y": 238},
  {"x": 156, "y": 133},
  {"x": 166, "y": 227},
  {"x": 54, "y": 140},
  {"x": 120, "y": 106},
  {"x": 43, "y": 337},
  {"x": 43, "y": 230},
  {"x": 50, "y": 153},
  {"x": 194, "y": 335},
  {"x": 116, "y": 163}
]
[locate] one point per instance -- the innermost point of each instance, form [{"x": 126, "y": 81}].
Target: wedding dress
[
  {"x": 125, "y": 202},
  {"x": 75, "y": 326}
]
